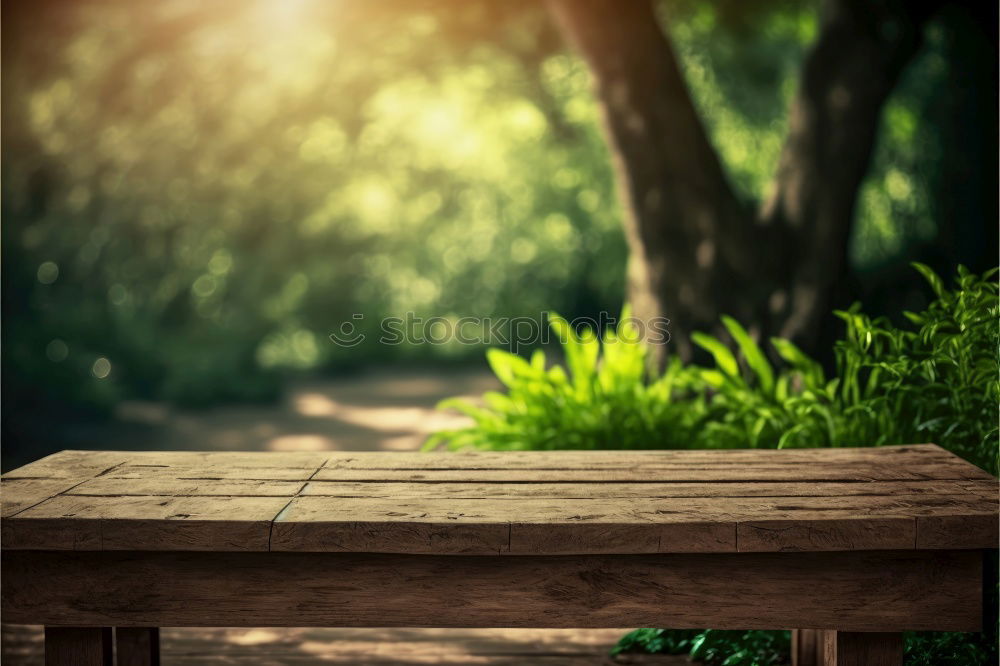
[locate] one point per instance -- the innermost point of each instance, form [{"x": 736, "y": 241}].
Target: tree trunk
[
  {"x": 696, "y": 251},
  {"x": 854, "y": 65},
  {"x": 679, "y": 208}
]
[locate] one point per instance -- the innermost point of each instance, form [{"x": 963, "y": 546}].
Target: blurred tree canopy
[{"x": 195, "y": 195}]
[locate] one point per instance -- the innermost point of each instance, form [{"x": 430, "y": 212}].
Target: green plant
[
  {"x": 936, "y": 381},
  {"x": 929, "y": 648},
  {"x": 711, "y": 646},
  {"x": 600, "y": 400}
]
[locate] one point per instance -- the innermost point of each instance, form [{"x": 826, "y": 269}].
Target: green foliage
[
  {"x": 600, "y": 400},
  {"x": 665, "y": 641},
  {"x": 947, "y": 649},
  {"x": 759, "y": 648},
  {"x": 711, "y": 646},
  {"x": 937, "y": 380}
]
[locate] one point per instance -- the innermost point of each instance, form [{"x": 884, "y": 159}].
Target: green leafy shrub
[
  {"x": 935, "y": 383},
  {"x": 933, "y": 648},
  {"x": 938, "y": 380},
  {"x": 599, "y": 400},
  {"x": 711, "y": 646}
]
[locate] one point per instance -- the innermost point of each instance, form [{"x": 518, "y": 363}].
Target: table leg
[
  {"x": 844, "y": 648},
  {"x": 137, "y": 646},
  {"x": 78, "y": 646},
  {"x": 807, "y": 647}
]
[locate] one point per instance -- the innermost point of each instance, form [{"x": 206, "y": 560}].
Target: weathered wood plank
[
  {"x": 299, "y": 459},
  {"x": 919, "y": 457},
  {"x": 870, "y": 591},
  {"x": 602, "y": 459},
  {"x": 69, "y": 522},
  {"x": 583, "y": 490},
  {"x": 211, "y": 472},
  {"x": 494, "y": 526},
  {"x": 883, "y": 522},
  {"x": 70, "y": 464},
  {"x": 855, "y": 472},
  {"x": 841, "y": 648},
  {"x": 111, "y": 486},
  {"x": 539, "y": 526},
  {"x": 855, "y": 523},
  {"x": 570, "y": 538},
  {"x": 814, "y": 532},
  {"x": 88, "y": 464},
  {"x": 981, "y": 531},
  {"x": 561, "y": 467},
  {"x": 93, "y": 463},
  {"x": 597, "y": 502},
  {"x": 78, "y": 646},
  {"x": 16, "y": 495}
]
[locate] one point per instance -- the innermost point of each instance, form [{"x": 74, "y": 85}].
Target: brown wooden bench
[{"x": 860, "y": 543}]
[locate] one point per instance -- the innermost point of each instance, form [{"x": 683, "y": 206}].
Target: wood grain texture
[
  {"x": 16, "y": 495},
  {"x": 514, "y": 526},
  {"x": 580, "y": 526},
  {"x": 71, "y": 465},
  {"x": 112, "y": 486},
  {"x": 561, "y": 460},
  {"x": 842, "y": 648},
  {"x": 70, "y": 522},
  {"x": 976, "y": 528},
  {"x": 78, "y": 646},
  {"x": 763, "y": 473},
  {"x": 869, "y": 591},
  {"x": 212, "y": 472},
  {"x": 503, "y": 503},
  {"x": 818, "y": 531},
  {"x": 621, "y": 490}
]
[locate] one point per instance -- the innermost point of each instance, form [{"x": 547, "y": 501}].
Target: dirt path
[
  {"x": 366, "y": 647},
  {"x": 373, "y": 411},
  {"x": 377, "y": 410}
]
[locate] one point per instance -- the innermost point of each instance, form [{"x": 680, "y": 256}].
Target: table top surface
[{"x": 502, "y": 503}]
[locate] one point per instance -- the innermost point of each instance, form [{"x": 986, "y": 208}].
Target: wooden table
[{"x": 861, "y": 543}]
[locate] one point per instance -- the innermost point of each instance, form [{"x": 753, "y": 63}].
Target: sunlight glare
[{"x": 283, "y": 15}]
